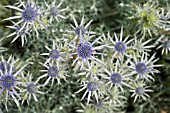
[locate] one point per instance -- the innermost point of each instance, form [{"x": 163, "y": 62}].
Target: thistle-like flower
[
  {"x": 31, "y": 88},
  {"x": 54, "y": 12},
  {"x": 53, "y": 71},
  {"x": 141, "y": 46},
  {"x": 116, "y": 77},
  {"x": 165, "y": 44},
  {"x": 139, "y": 89},
  {"x": 85, "y": 51},
  {"x": 116, "y": 97},
  {"x": 9, "y": 79},
  {"x": 54, "y": 53},
  {"x": 29, "y": 16},
  {"x": 119, "y": 45},
  {"x": 96, "y": 69},
  {"x": 144, "y": 67},
  {"x": 148, "y": 17},
  {"x": 18, "y": 33},
  {"x": 92, "y": 88},
  {"x": 80, "y": 30}
]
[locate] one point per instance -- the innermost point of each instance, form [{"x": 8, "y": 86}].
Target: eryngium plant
[{"x": 77, "y": 61}]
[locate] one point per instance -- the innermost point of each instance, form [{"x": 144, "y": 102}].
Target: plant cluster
[{"x": 107, "y": 68}]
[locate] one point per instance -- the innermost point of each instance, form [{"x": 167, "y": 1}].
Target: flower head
[
  {"x": 141, "y": 67},
  {"x": 96, "y": 69},
  {"x": 54, "y": 53},
  {"x": 30, "y": 13},
  {"x": 144, "y": 67},
  {"x": 92, "y": 88},
  {"x": 139, "y": 89},
  {"x": 165, "y": 44},
  {"x": 9, "y": 80},
  {"x": 31, "y": 88},
  {"x": 119, "y": 46},
  {"x": 116, "y": 97},
  {"x": 117, "y": 77},
  {"x": 85, "y": 51},
  {"x": 141, "y": 46},
  {"x": 29, "y": 17},
  {"x": 54, "y": 71},
  {"x": 80, "y": 30},
  {"x": 54, "y": 12},
  {"x": 19, "y": 33},
  {"x": 150, "y": 17}
]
